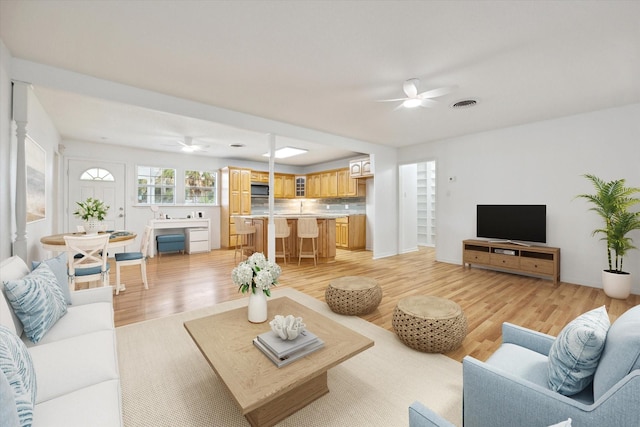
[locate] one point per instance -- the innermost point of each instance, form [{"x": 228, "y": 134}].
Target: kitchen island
[{"x": 326, "y": 234}]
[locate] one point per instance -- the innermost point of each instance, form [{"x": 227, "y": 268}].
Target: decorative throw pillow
[
  {"x": 574, "y": 355},
  {"x": 17, "y": 367},
  {"x": 37, "y": 301},
  {"x": 59, "y": 267},
  {"x": 8, "y": 408}
]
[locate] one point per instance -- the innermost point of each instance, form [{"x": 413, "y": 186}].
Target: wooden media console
[{"x": 541, "y": 261}]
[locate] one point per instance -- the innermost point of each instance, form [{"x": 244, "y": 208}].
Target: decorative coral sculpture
[{"x": 287, "y": 327}]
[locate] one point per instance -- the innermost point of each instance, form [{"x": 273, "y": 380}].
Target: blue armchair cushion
[
  {"x": 59, "y": 267},
  {"x": 574, "y": 355},
  {"x": 128, "y": 256},
  {"x": 621, "y": 353}
]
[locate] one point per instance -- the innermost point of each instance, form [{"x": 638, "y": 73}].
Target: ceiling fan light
[
  {"x": 188, "y": 149},
  {"x": 412, "y": 103}
]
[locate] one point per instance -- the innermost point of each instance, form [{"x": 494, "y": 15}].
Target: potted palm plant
[{"x": 612, "y": 202}]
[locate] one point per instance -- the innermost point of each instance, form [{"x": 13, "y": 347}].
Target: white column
[
  {"x": 271, "y": 228},
  {"x": 20, "y": 113}
]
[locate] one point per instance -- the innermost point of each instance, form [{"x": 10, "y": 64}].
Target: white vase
[
  {"x": 257, "y": 308},
  {"x": 616, "y": 285},
  {"x": 92, "y": 226}
]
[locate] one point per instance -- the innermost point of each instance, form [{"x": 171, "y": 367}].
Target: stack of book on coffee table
[{"x": 282, "y": 352}]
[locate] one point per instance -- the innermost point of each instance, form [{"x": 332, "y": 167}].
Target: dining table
[{"x": 117, "y": 239}]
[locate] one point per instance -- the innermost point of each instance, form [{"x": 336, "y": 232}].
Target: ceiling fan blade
[
  {"x": 181, "y": 143},
  {"x": 428, "y": 103},
  {"x": 434, "y": 93},
  {"x": 392, "y": 100},
  {"x": 410, "y": 87}
]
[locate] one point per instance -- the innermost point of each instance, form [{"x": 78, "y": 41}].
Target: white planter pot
[
  {"x": 92, "y": 226},
  {"x": 616, "y": 285},
  {"x": 257, "y": 308}
]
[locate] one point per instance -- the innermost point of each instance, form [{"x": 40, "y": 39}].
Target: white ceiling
[{"x": 323, "y": 64}]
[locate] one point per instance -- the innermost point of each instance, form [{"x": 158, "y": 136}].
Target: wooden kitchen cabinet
[
  {"x": 235, "y": 199},
  {"x": 350, "y": 187},
  {"x": 360, "y": 168},
  {"x": 351, "y": 232}
]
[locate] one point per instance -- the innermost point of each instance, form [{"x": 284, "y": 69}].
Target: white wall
[
  {"x": 538, "y": 163},
  {"x": 41, "y": 130}
]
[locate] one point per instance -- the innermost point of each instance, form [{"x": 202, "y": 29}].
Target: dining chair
[
  {"x": 308, "y": 229},
  {"x": 282, "y": 232},
  {"x": 134, "y": 258},
  {"x": 87, "y": 259},
  {"x": 245, "y": 232}
]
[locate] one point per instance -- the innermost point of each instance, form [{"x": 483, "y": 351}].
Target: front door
[{"x": 99, "y": 180}]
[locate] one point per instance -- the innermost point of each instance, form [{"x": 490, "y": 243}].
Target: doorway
[
  {"x": 100, "y": 180},
  {"x": 417, "y": 210}
]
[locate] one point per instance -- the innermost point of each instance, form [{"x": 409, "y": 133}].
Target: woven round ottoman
[
  {"x": 429, "y": 324},
  {"x": 353, "y": 295}
]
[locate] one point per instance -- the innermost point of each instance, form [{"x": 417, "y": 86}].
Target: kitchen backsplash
[{"x": 348, "y": 206}]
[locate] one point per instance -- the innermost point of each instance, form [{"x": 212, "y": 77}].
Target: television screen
[{"x": 527, "y": 223}]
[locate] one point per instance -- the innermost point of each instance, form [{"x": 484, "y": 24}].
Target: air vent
[{"x": 465, "y": 103}]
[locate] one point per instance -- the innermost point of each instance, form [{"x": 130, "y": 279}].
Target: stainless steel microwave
[{"x": 259, "y": 190}]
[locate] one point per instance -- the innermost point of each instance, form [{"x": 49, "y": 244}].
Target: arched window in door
[{"x": 96, "y": 174}]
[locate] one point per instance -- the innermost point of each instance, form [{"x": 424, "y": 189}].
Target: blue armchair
[{"x": 510, "y": 388}]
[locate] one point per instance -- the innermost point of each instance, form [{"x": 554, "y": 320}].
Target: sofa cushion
[
  {"x": 522, "y": 363},
  {"x": 11, "y": 269},
  {"x": 59, "y": 267},
  {"x": 17, "y": 366},
  {"x": 37, "y": 301},
  {"x": 98, "y": 405},
  {"x": 574, "y": 355},
  {"x": 8, "y": 408},
  {"x": 65, "y": 366},
  {"x": 621, "y": 353},
  {"x": 79, "y": 320}
]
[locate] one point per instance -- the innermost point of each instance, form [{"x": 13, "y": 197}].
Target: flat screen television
[{"x": 515, "y": 223}]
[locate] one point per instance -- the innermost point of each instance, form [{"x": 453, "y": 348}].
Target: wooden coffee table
[{"x": 265, "y": 393}]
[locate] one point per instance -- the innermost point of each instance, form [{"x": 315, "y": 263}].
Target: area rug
[{"x": 167, "y": 382}]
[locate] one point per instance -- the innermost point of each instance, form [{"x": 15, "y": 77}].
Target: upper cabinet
[
  {"x": 360, "y": 168},
  {"x": 320, "y": 185}
]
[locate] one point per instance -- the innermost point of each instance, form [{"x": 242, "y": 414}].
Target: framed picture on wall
[{"x": 36, "y": 180}]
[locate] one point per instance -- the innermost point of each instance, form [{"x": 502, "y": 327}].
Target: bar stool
[
  {"x": 308, "y": 229},
  {"x": 245, "y": 233},
  {"x": 282, "y": 232}
]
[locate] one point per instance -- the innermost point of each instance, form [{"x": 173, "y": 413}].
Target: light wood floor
[{"x": 179, "y": 283}]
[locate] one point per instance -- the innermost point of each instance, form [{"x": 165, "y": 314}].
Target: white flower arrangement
[
  {"x": 91, "y": 209},
  {"x": 256, "y": 273}
]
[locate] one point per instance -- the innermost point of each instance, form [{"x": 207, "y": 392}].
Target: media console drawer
[{"x": 535, "y": 260}]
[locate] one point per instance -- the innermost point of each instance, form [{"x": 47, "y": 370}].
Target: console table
[
  {"x": 185, "y": 224},
  {"x": 541, "y": 261}
]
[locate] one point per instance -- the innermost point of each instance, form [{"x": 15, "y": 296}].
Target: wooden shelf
[{"x": 541, "y": 261}]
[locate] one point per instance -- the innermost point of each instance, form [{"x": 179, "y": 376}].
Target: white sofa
[{"x": 76, "y": 362}]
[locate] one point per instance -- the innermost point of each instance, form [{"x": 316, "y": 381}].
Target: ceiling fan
[
  {"x": 189, "y": 147},
  {"x": 415, "y": 99}
]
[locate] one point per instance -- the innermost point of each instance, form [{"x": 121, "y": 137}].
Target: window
[
  {"x": 96, "y": 174},
  {"x": 156, "y": 186},
  {"x": 199, "y": 187}
]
